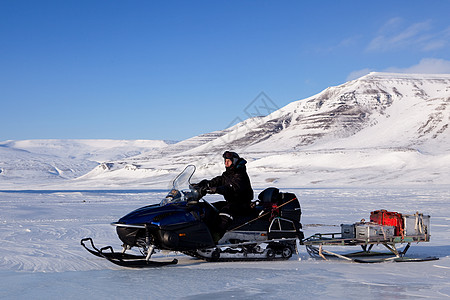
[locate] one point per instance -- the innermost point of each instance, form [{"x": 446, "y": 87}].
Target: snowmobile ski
[{"x": 124, "y": 259}]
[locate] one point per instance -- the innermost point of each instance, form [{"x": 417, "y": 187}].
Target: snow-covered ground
[{"x": 41, "y": 256}]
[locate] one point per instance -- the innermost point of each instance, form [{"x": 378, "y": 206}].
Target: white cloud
[
  {"x": 359, "y": 73},
  {"x": 425, "y": 66},
  {"x": 434, "y": 45},
  {"x": 393, "y": 35}
]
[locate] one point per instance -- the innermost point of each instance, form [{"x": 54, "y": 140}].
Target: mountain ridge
[{"x": 380, "y": 119}]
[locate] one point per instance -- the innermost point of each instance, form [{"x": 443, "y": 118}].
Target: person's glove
[
  {"x": 212, "y": 190},
  {"x": 203, "y": 190},
  {"x": 203, "y": 183}
]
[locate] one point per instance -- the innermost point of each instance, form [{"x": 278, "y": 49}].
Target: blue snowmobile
[{"x": 185, "y": 222}]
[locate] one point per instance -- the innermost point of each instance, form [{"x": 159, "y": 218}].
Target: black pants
[{"x": 227, "y": 212}]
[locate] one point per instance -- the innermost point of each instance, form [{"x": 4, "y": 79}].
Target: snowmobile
[{"x": 185, "y": 222}]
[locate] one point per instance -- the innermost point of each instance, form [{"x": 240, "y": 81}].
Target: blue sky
[{"x": 175, "y": 69}]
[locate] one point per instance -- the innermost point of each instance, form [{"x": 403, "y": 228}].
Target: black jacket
[{"x": 234, "y": 185}]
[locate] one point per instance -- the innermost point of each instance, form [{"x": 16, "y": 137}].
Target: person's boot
[{"x": 224, "y": 222}]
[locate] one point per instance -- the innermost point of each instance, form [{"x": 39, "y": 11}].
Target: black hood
[{"x": 238, "y": 166}]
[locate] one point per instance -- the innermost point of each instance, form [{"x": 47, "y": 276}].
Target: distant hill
[{"x": 33, "y": 163}]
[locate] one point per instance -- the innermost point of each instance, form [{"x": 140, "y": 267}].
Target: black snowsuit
[{"x": 234, "y": 185}]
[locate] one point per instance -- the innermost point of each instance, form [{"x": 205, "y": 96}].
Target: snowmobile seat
[
  {"x": 249, "y": 223},
  {"x": 291, "y": 206},
  {"x": 269, "y": 196},
  {"x": 291, "y": 209}
]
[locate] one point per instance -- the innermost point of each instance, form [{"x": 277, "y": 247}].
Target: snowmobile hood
[{"x": 156, "y": 215}]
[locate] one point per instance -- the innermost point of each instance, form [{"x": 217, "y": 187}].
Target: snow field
[{"x": 41, "y": 256}]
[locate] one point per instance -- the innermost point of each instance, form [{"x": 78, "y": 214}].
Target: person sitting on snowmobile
[{"x": 234, "y": 184}]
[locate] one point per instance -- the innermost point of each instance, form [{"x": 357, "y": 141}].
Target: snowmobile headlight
[{"x": 166, "y": 201}]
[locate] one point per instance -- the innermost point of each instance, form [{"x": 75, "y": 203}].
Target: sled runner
[{"x": 386, "y": 228}]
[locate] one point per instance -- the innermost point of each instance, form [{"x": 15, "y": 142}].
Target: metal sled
[{"x": 315, "y": 247}]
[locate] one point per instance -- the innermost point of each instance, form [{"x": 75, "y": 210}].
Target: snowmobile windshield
[
  {"x": 183, "y": 179},
  {"x": 180, "y": 191}
]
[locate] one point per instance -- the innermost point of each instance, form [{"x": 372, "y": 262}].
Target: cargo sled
[{"x": 385, "y": 228}]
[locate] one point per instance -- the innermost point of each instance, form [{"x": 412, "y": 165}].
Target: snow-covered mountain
[
  {"x": 377, "y": 110},
  {"x": 381, "y": 129}
]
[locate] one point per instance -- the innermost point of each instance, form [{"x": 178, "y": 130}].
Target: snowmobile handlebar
[{"x": 200, "y": 189}]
